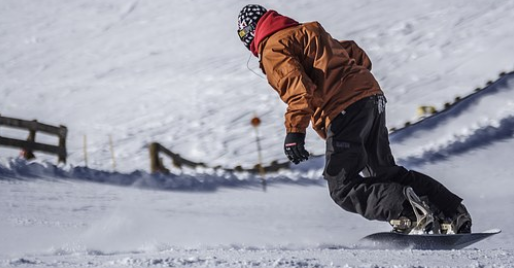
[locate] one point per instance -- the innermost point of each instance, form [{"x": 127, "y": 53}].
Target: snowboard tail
[{"x": 391, "y": 240}]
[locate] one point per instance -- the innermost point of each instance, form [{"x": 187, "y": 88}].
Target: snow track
[
  {"x": 275, "y": 257},
  {"x": 473, "y": 139},
  {"x": 468, "y": 125},
  {"x": 68, "y": 223}
]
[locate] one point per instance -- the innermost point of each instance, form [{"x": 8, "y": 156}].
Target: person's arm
[{"x": 286, "y": 75}]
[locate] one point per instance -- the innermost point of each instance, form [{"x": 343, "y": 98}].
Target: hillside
[{"x": 175, "y": 72}]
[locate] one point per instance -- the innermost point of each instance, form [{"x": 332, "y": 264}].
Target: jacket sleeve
[
  {"x": 356, "y": 53},
  {"x": 287, "y": 76}
]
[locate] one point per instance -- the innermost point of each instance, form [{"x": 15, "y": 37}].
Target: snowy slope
[
  {"x": 175, "y": 72},
  {"x": 54, "y": 222},
  {"x": 478, "y": 120}
]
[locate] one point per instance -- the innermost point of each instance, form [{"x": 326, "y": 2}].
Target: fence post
[
  {"x": 27, "y": 153},
  {"x": 154, "y": 157},
  {"x": 63, "y": 132},
  {"x": 113, "y": 156}
]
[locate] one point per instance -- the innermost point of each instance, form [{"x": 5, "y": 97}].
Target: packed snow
[{"x": 136, "y": 72}]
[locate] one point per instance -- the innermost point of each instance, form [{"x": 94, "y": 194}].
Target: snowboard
[{"x": 391, "y": 240}]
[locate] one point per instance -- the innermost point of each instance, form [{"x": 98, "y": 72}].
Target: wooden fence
[
  {"x": 30, "y": 145},
  {"x": 156, "y": 163}
]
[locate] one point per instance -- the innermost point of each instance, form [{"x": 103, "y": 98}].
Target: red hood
[{"x": 270, "y": 23}]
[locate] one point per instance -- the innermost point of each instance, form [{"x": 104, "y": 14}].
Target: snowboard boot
[
  {"x": 459, "y": 223},
  {"x": 418, "y": 219}
]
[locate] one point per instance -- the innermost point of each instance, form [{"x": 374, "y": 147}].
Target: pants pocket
[{"x": 345, "y": 162}]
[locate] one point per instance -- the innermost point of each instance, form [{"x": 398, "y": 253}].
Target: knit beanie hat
[{"x": 247, "y": 22}]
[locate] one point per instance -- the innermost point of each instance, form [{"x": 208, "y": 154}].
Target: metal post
[
  {"x": 85, "y": 150},
  {"x": 111, "y": 145}
]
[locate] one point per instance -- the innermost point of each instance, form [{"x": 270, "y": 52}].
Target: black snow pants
[{"x": 361, "y": 172}]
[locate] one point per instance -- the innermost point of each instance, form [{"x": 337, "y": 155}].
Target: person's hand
[{"x": 294, "y": 147}]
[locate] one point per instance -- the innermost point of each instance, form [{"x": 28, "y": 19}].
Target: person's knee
[
  {"x": 346, "y": 161},
  {"x": 340, "y": 196}
]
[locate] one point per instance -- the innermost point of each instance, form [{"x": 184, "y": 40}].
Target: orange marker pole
[{"x": 256, "y": 121}]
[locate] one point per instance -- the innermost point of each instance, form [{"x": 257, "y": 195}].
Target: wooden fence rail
[
  {"x": 156, "y": 163},
  {"x": 30, "y": 145}
]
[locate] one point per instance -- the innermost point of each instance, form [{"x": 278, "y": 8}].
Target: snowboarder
[{"x": 330, "y": 84}]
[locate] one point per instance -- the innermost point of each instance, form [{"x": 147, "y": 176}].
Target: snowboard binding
[{"x": 425, "y": 222}]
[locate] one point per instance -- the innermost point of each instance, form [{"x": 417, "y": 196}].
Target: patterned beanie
[{"x": 247, "y": 22}]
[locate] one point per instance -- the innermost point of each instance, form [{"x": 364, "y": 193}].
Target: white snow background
[{"x": 175, "y": 72}]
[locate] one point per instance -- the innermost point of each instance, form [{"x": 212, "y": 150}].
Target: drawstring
[{"x": 248, "y": 66}]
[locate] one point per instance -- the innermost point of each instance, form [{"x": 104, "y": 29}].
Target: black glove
[{"x": 294, "y": 147}]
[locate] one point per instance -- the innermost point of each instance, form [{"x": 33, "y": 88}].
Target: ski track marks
[
  {"x": 236, "y": 256},
  {"x": 477, "y": 139},
  {"x": 493, "y": 125}
]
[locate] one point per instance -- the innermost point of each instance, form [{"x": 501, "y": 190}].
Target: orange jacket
[{"x": 315, "y": 75}]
